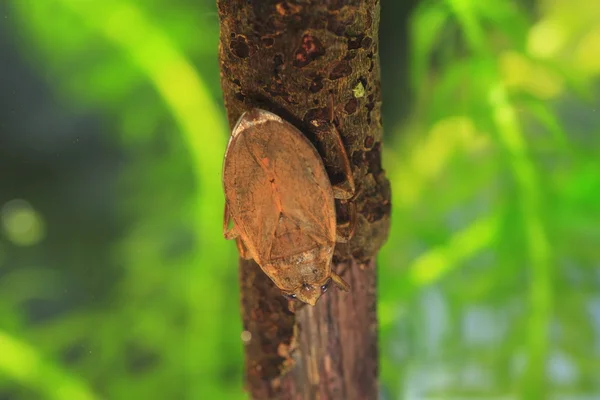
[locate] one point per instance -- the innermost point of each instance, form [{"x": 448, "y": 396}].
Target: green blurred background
[{"x": 115, "y": 282}]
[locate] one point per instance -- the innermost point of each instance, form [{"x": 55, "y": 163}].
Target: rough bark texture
[{"x": 314, "y": 63}]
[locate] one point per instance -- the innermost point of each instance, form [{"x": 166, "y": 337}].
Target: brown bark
[{"x": 314, "y": 63}]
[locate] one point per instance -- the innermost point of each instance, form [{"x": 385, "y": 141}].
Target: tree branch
[{"x": 314, "y": 63}]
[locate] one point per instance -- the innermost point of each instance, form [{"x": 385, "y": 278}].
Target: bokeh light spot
[
  {"x": 545, "y": 39},
  {"x": 521, "y": 73},
  {"x": 587, "y": 54},
  {"x": 21, "y": 223}
]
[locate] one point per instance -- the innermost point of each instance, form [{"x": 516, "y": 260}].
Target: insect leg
[
  {"x": 243, "y": 250},
  {"x": 228, "y": 233},
  {"x": 344, "y": 235},
  {"x": 339, "y": 282},
  {"x": 343, "y": 190}
]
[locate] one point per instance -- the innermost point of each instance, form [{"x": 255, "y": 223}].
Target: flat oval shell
[{"x": 277, "y": 189}]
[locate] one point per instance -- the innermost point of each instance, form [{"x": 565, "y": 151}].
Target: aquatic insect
[{"x": 282, "y": 204}]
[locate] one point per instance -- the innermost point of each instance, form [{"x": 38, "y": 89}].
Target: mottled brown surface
[{"x": 315, "y": 64}]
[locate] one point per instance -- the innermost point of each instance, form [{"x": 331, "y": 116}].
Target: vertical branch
[{"x": 314, "y": 63}]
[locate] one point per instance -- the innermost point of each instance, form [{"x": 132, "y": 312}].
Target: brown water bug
[{"x": 282, "y": 204}]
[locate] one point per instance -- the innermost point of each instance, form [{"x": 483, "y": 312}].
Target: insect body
[{"x": 281, "y": 201}]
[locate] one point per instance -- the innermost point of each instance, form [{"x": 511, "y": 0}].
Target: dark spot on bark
[
  {"x": 335, "y": 25},
  {"x": 377, "y": 210},
  {"x": 232, "y": 34},
  {"x": 259, "y": 29},
  {"x": 373, "y": 159},
  {"x": 267, "y": 41},
  {"x": 278, "y": 59},
  {"x": 340, "y": 70},
  {"x": 239, "y": 47},
  {"x": 350, "y": 55},
  {"x": 316, "y": 85},
  {"x": 366, "y": 43},
  {"x": 239, "y": 96},
  {"x": 372, "y": 64},
  {"x": 351, "y": 106},
  {"x": 370, "y": 106},
  {"x": 369, "y": 141},
  {"x": 355, "y": 42},
  {"x": 363, "y": 80},
  {"x": 309, "y": 50},
  {"x": 237, "y": 82},
  {"x": 315, "y": 101},
  {"x": 358, "y": 158},
  {"x": 278, "y": 62},
  {"x": 358, "y": 254},
  {"x": 342, "y": 212}
]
